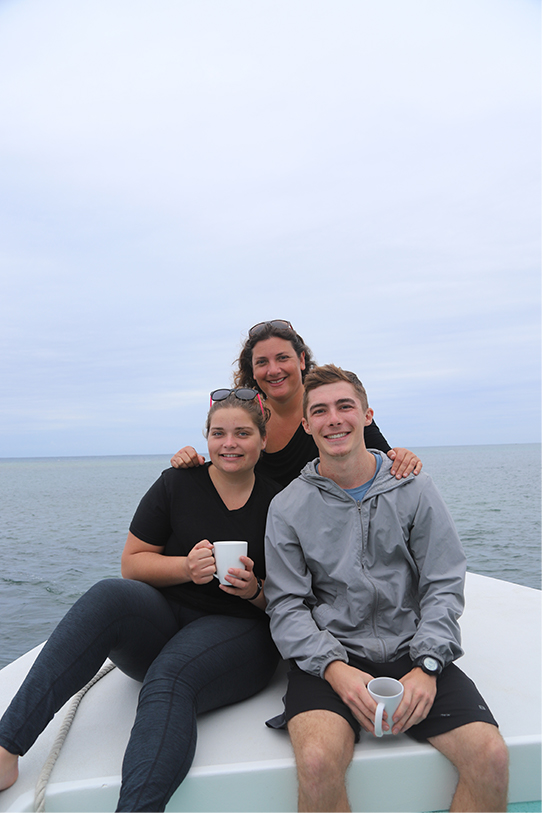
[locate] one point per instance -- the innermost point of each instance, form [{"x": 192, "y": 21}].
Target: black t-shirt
[
  {"x": 285, "y": 465},
  {"x": 182, "y": 508}
]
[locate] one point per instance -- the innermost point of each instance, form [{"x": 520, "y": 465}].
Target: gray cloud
[{"x": 173, "y": 173}]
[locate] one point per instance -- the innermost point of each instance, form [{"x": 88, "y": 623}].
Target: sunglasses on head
[
  {"x": 243, "y": 393},
  {"x": 281, "y": 324}
]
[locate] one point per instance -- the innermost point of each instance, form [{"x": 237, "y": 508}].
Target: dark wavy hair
[
  {"x": 258, "y": 418},
  {"x": 244, "y": 377}
]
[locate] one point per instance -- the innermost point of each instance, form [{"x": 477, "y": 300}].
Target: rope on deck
[{"x": 43, "y": 778}]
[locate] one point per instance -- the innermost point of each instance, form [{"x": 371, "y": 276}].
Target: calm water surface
[{"x": 64, "y": 523}]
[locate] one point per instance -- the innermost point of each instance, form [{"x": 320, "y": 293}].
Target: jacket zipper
[{"x": 371, "y": 582}]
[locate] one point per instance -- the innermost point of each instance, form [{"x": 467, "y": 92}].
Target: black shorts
[{"x": 457, "y": 701}]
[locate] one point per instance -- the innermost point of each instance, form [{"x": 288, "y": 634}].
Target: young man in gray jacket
[{"x": 365, "y": 577}]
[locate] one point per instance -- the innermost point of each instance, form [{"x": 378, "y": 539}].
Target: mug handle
[{"x": 378, "y": 720}]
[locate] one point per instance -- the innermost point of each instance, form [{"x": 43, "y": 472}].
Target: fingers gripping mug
[
  {"x": 227, "y": 555},
  {"x": 388, "y": 693}
]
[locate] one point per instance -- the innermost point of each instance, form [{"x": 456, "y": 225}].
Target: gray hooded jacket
[{"x": 379, "y": 578}]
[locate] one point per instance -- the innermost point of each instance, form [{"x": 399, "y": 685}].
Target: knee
[
  {"x": 489, "y": 763},
  {"x": 495, "y": 757},
  {"x": 117, "y": 593},
  {"x": 319, "y": 767},
  {"x": 103, "y": 589}
]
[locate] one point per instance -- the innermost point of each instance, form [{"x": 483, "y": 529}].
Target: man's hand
[
  {"x": 419, "y": 696},
  {"x": 351, "y": 686}
]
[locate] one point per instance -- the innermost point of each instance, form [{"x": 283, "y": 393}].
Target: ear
[
  {"x": 306, "y": 426},
  {"x": 264, "y": 442},
  {"x": 302, "y": 360},
  {"x": 369, "y": 415}
]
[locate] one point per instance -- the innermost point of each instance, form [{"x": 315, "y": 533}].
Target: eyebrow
[
  {"x": 339, "y": 402},
  {"x": 271, "y": 355},
  {"x": 214, "y": 426}
]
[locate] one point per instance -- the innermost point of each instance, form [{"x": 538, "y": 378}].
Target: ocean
[{"x": 64, "y": 522}]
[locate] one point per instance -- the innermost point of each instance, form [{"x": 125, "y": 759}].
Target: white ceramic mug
[
  {"x": 388, "y": 693},
  {"x": 227, "y": 555}
]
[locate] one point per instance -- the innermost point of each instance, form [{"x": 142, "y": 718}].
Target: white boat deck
[{"x": 241, "y": 765}]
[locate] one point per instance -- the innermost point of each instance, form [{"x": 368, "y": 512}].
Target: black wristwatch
[
  {"x": 429, "y": 665},
  {"x": 258, "y": 591}
]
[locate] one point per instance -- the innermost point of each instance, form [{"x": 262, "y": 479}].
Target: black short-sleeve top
[
  {"x": 286, "y": 464},
  {"x": 183, "y": 507}
]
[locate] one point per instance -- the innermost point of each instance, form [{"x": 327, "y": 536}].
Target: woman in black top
[
  {"x": 195, "y": 644},
  {"x": 275, "y": 359}
]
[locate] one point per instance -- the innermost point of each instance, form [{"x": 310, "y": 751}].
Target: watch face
[{"x": 430, "y": 664}]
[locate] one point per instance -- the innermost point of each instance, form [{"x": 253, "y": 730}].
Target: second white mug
[{"x": 388, "y": 693}]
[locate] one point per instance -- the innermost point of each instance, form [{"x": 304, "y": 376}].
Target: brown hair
[
  {"x": 258, "y": 417},
  {"x": 330, "y": 374},
  {"x": 244, "y": 377}
]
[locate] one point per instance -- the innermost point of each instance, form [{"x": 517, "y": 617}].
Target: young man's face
[{"x": 336, "y": 419}]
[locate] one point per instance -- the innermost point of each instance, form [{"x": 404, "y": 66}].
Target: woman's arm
[
  {"x": 145, "y": 563},
  {"x": 404, "y": 460}
]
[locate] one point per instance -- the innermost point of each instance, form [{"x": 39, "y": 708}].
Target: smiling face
[
  {"x": 337, "y": 419},
  {"x": 234, "y": 440},
  {"x": 277, "y": 368}
]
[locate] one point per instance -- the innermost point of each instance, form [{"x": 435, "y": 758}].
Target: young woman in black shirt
[{"x": 196, "y": 645}]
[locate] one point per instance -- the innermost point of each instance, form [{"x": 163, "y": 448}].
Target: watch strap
[{"x": 258, "y": 591}]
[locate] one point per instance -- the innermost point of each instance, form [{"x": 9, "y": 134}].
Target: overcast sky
[{"x": 174, "y": 171}]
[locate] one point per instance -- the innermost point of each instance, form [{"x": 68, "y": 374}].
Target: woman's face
[
  {"x": 277, "y": 368},
  {"x": 234, "y": 440}
]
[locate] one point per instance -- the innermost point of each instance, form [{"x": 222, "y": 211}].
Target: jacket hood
[{"x": 383, "y": 481}]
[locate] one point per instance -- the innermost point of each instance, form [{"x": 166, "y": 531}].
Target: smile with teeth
[
  {"x": 337, "y": 435},
  {"x": 276, "y": 380},
  {"x": 231, "y": 455}
]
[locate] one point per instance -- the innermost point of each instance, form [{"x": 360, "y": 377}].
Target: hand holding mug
[
  {"x": 418, "y": 698},
  {"x": 241, "y": 583},
  {"x": 388, "y": 693},
  {"x": 200, "y": 562},
  {"x": 351, "y": 686}
]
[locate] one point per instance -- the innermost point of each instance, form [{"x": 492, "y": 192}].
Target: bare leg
[
  {"x": 480, "y": 755},
  {"x": 323, "y": 744},
  {"x": 9, "y": 768}
]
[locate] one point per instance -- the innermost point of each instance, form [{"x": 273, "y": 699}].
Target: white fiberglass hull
[{"x": 240, "y": 765}]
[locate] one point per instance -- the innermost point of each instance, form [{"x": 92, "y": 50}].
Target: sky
[{"x": 172, "y": 172}]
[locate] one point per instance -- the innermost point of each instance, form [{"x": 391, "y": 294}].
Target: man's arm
[
  {"x": 288, "y": 589},
  {"x": 441, "y": 564}
]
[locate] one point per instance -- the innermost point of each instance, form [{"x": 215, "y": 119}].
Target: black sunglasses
[
  {"x": 243, "y": 393},
  {"x": 281, "y": 324}
]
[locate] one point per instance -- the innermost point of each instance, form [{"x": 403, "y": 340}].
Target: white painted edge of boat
[{"x": 270, "y": 784}]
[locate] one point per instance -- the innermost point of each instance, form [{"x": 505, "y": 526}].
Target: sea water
[{"x": 64, "y": 521}]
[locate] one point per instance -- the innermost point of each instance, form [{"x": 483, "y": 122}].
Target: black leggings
[{"x": 188, "y": 662}]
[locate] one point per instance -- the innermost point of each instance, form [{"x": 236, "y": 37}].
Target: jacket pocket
[{"x": 333, "y": 612}]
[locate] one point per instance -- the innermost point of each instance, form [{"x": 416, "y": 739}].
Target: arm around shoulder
[{"x": 187, "y": 458}]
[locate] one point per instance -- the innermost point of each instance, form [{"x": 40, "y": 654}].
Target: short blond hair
[{"x": 330, "y": 374}]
